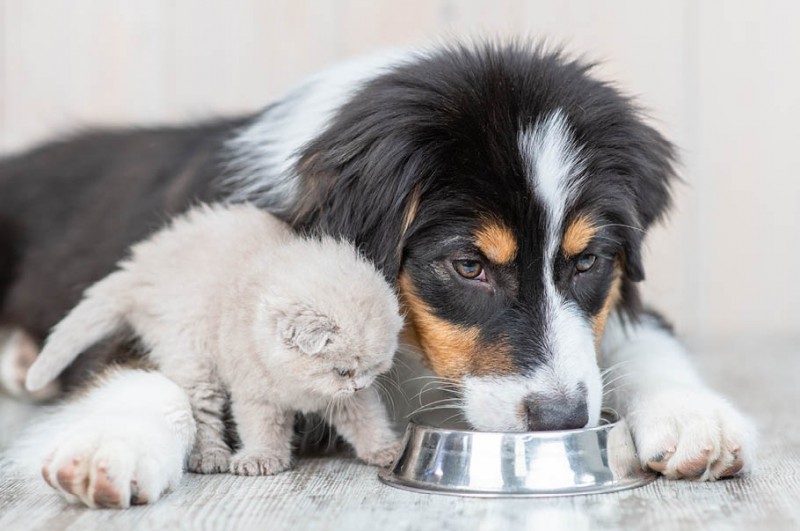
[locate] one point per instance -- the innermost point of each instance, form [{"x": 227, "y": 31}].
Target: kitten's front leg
[
  {"x": 363, "y": 422},
  {"x": 266, "y": 433},
  {"x": 681, "y": 428},
  {"x": 210, "y": 454}
]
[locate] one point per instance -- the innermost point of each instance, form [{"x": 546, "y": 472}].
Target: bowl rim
[{"x": 549, "y": 433}]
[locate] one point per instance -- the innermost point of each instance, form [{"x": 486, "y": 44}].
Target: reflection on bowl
[{"x": 495, "y": 464}]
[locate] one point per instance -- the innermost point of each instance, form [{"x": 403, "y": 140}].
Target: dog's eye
[
  {"x": 346, "y": 373},
  {"x": 469, "y": 269},
  {"x": 585, "y": 262}
]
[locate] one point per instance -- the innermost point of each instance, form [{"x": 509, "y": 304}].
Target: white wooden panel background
[{"x": 720, "y": 77}]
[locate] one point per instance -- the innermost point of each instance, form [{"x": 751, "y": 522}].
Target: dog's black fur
[{"x": 70, "y": 209}]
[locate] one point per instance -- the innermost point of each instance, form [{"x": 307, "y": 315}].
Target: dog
[{"x": 502, "y": 189}]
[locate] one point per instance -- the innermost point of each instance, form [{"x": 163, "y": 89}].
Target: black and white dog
[{"x": 502, "y": 189}]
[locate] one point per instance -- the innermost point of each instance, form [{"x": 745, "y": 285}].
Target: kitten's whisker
[
  {"x": 395, "y": 382},
  {"x": 400, "y": 361},
  {"x": 387, "y": 395}
]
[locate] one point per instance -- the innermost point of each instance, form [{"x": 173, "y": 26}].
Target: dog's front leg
[
  {"x": 681, "y": 427},
  {"x": 124, "y": 442}
]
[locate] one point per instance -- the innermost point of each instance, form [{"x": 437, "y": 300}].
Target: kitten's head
[
  {"x": 337, "y": 320},
  {"x": 334, "y": 359}
]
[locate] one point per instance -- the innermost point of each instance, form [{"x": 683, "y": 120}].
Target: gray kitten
[{"x": 228, "y": 301}]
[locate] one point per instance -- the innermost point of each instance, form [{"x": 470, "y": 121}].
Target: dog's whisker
[
  {"x": 436, "y": 408},
  {"x": 615, "y": 366},
  {"x": 433, "y": 377},
  {"x": 616, "y": 379},
  {"x": 454, "y": 401}
]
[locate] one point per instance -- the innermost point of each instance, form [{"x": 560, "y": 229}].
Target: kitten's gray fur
[{"x": 228, "y": 301}]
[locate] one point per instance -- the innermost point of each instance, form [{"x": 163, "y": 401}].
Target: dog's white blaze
[
  {"x": 554, "y": 165},
  {"x": 263, "y": 155},
  {"x": 574, "y": 358},
  {"x": 553, "y": 161}
]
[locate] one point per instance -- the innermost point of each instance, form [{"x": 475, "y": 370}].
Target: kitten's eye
[
  {"x": 585, "y": 262},
  {"x": 346, "y": 373},
  {"x": 470, "y": 269}
]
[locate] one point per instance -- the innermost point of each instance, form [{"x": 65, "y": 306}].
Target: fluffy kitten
[{"x": 229, "y": 302}]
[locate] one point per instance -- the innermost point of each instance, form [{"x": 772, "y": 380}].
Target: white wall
[{"x": 722, "y": 79}]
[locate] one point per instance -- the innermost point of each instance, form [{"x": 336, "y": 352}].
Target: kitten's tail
[{"x": 97, "y": 316}]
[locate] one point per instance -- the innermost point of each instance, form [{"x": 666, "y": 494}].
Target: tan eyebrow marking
[
  {"x": 496, "y": 242},
  {"x": 612, "y": 298},
  {"x": 578, "y": 235}
]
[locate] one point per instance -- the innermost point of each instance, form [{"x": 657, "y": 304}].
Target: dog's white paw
[
  {"x": 110, "y": 462},
  {"x": 687, "y": 434}
]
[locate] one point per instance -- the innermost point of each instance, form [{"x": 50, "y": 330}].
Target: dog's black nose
[{"x": 564, "y": 412}]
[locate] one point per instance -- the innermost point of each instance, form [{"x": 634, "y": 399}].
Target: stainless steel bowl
[{"x": 528, "y": 464}]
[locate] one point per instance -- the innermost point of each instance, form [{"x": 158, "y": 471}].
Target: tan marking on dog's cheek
[
  {"x": 450, "y": 350},
  {"x": 578, "y": 235},
  {"x": 614, "y": 294},
  {"x": 496, "y": 242},
  {"x": 493, "y": 360}
]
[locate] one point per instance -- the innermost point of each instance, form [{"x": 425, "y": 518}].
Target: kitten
[{"x": 229, "y": 302}]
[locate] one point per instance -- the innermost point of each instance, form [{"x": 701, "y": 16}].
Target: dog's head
[{"x": 507, "y": 193}]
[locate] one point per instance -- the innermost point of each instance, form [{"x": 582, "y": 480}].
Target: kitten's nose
[{"x": 563, "y": 412}]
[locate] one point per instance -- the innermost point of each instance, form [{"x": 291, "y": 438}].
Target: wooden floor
[{"x": 338, "y": 493}]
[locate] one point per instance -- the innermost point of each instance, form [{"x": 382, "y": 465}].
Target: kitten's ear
[{"x": 307, "y": 330}]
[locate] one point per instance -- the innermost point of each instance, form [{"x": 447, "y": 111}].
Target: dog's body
[{"x": 503, "y": 189}]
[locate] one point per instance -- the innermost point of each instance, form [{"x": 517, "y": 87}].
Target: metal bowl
[{"x": 526, "y": 464}]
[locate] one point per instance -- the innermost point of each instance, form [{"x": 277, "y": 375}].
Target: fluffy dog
[{"x": 503, "y": 189}]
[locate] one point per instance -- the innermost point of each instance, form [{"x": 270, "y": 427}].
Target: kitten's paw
[
  {"x": 18, "y": 351},
  {"x": 692, "y": 435},
  {"x": 209, "y": 461},
  {"x": 383, "y": 456},
  {"x": 101, "y": 468},
  {"x": 259, "y": 463}
]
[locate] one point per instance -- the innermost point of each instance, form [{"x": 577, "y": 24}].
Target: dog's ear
[
  {"x": 307, "y": 330},
  {"x": 371, "y": 202},
  {"x": 645, "y": 168},
  {"x": 632, "y": 261}
]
